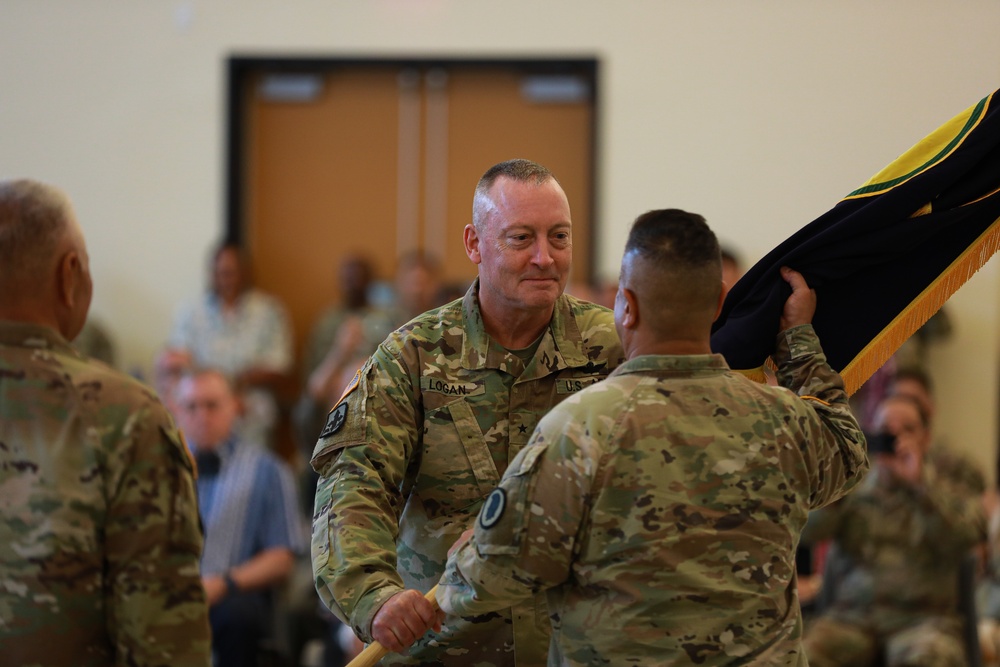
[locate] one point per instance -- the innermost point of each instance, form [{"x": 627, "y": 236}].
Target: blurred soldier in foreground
[
  {"x": 99, "y": 534},
  {"x": 661, "y": 508},
  {"x": 423, "y": 434}
]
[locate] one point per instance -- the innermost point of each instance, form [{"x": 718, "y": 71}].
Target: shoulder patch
[
  {"x": 493, "y": 509},
  {"x": 351, "y": 386},
  {"x": 336, "y": 420}
]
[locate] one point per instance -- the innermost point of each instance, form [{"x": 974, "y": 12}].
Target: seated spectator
[
  {"x": 417, "y": 282},
  {"x": 240, "y": 331},
  {"x": 732, "y": 267},
  {"x": 95, "y": 342},
  {"x": 342, "y": 339},
  {"x": 901, "y": 539},
  {"x": 253, "y": 527},
  {"x": 948, "y": 464},
  {"x": 346, "y": 335}
]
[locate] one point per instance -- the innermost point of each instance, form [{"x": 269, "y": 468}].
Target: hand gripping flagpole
[{"x": 375, "y": 651}]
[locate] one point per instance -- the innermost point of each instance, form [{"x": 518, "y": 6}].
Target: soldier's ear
[
  {"x": 471, "y": 239},
  {"x": 630, "y": 309}
]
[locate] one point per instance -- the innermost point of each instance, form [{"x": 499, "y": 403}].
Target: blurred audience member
[
  {"x": 341, "y": 340},
  {"x": 418, "y": 279},
  {"x": 900, "y": 540},
  {"x": 253, "y": 527},
  {"x": 947, "y": 464},
  {"x": 242, "y": 332},
  {"x": 95, "y": 342},
  {"x": 732, "y": 267}
]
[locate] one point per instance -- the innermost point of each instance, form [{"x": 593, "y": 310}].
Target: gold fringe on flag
[{"x": 914, "y": 316}]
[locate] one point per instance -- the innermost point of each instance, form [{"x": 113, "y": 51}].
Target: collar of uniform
[
  {"x": 561, "y": 345},
  {"x": 680, "y": 364},
  {"x": 24, "y": 334}
]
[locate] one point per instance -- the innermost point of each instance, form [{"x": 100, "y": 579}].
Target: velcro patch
[
  {"x": 336, "y": 420},
  {"x": 351, "y": 386},
  {"x": 571, "y": 385},
  {"x": 493, "y": 509}
]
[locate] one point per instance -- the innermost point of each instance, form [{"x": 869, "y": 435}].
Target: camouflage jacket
[
  {"x": 417, "y": 443},
  {"x": 899, "y": 548},
  {"x": 661, "y": 509},
  {"x": 99, "y": 537}
]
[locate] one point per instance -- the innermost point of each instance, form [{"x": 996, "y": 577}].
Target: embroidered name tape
[{"x": 451, "y": 388}]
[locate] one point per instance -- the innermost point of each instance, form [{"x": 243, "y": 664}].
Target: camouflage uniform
[
  {"x": 898, "y": 550},
  {"x": 418, "y": 442},
  {"x": 99, "y": 538},
  {"x": 661, "y": 509}
]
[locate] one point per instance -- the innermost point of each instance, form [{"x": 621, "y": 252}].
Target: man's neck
[
  {"x": 669, "y": 347},
  {"x": 515, "y": 329},
  {"x": 31, "y": 314}
]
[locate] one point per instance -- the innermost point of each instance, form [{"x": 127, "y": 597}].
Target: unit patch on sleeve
[
  {"x": 493, "y": 509},
  {"x": 335, "y": 421}
]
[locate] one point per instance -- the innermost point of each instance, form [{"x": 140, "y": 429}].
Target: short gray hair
[
  {"x": 34, "y": 216},
  {"x": 521, "y": 170}
]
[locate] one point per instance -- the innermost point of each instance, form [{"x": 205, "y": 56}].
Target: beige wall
[{"x": 758, "y": 114}]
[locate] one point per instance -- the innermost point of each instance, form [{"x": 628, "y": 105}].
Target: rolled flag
[{"x": 885, "y": 258}]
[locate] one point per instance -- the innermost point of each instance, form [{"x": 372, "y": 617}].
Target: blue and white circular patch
[{"x": 496, "y": 503}]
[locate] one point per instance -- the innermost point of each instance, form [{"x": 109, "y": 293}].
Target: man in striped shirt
[{"x": 248, "y": 505}]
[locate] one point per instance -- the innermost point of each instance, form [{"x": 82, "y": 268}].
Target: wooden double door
[{"x": 330, "y": 157}]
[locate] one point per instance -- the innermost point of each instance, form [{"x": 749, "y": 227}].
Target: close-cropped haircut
[
  {"x": 520, "y": 170},
  {"x": 33, "y": 219},
  {"x": 672, "y": 237}
]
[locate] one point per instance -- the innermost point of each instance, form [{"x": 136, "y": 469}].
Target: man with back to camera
[
  {"x": 99, "y": 533},
  {"x": 424, "y": 432},
  {"x": 660, "y": 510}
]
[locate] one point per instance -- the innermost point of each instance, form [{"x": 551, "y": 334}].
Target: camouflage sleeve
[
  {"x": 959, "y": 517},
  {"x": 157, "y": 613},
  {"x": 832, "y": 444},
  {"x": 527, "y": 532},
  {"x": 359, "y": 496}
]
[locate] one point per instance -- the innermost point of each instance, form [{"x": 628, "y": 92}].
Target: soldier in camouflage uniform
[
  {"x": 99, "y": 533},
  {"x": 899, "y": 540},
  {"x": 430, "y": 423},
  {"x": 660, "y": 510}
]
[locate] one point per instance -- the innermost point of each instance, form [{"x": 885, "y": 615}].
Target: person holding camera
[{"x": 899, "y": 541}]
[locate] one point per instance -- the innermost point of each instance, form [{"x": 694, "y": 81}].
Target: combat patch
[
  {"x": 439, "y": 386},
  {"x": 336, "y": 420},
  {"x": 493, "y": 509}
]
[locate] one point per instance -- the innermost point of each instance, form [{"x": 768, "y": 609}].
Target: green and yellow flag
[{"x": 885, "y": 258}]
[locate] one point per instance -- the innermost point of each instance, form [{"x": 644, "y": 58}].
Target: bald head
[
  {"x": 46, "y": 276},
  {"x": 672, "y": 266}
]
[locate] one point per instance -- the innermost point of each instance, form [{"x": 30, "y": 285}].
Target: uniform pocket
[{"x": 456, "y": 468}]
